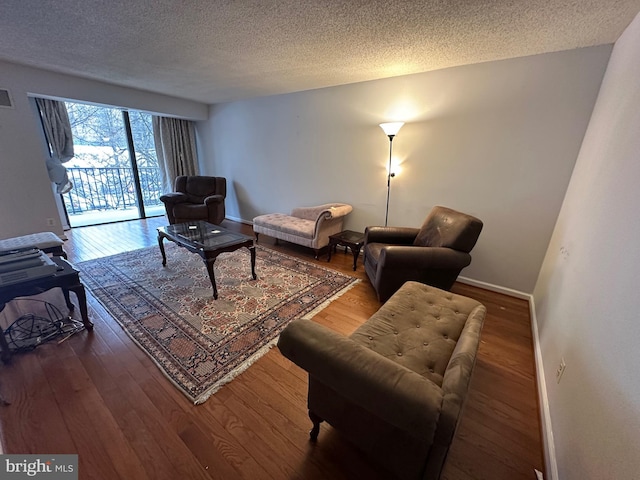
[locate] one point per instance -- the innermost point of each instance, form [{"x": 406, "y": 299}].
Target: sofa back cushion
[
  {"x": 448, "y": 228},
  {"x": 199, "y": 187}
]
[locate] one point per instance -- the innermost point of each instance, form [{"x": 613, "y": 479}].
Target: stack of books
[{"x": 25, "y": 264}]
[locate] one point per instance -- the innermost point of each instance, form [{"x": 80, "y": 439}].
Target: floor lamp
[{"x": 391, "y": 129}]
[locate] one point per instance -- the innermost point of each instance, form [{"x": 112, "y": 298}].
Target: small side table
[
  {"x": 67, "y": 278},
  {"x": 347, "y": 238}
]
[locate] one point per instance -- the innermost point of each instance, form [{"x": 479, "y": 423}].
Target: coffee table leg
[
  {"x": 161, "y": 245},
  {"x": 212, "y": 276},
  {"x": 253, "y": 262}
]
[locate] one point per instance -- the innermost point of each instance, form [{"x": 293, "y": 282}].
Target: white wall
[
  {"x": 587, "y": 298},
  {"x": 26, "y": 195},
  {"x": 497, "y": 140}
]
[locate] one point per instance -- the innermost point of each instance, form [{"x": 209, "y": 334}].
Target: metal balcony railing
[{"x": 110, "y": 188}]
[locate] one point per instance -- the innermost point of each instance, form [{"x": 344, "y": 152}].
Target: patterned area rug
[{"x": 198, "y": 342}]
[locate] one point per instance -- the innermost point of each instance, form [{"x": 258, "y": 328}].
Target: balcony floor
[{"x": 97, "y": 217}]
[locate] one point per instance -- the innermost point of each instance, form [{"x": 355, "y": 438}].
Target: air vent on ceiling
[{"x": 5, "y": 98}]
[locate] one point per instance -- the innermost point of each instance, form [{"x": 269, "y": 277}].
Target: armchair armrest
[
  {"x": 397, "y": 256},
  {"x": 393, "y": 235},
  {"x": 364, "y": 377},
  {"x": 174, "y": 197},
  {"x": 213, "y": 199}
]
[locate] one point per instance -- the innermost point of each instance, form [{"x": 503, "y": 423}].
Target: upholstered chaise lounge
[
  {"x": 397, "y": 385},
  {"x": 306, "y": 226}
]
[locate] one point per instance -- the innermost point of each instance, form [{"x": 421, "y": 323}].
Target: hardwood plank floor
[{"x": 100, "y": 396}]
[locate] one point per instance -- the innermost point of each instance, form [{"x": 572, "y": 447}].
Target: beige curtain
[
  {"x": 57, "y": 128},
  {"x": 175, "y": 142}
]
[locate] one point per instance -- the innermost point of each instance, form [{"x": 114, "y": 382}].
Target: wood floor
[{"x": 98, "y": 395}]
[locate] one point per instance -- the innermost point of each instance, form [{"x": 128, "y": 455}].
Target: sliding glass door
[
  {"x": 114, "y": 171},
  {"x": 146, "y": 162}
]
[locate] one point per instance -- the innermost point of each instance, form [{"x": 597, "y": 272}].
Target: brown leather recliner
[
  {"x": 434, "y": 254},
  {"x": 196, "y": 198}
]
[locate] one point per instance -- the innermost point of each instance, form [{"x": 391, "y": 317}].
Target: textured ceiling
[{"x": 220, "y": 50}]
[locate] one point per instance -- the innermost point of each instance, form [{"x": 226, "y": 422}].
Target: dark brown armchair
[
  {"x": 434, "y": 254},
  {"x": 196, "y": 198}
]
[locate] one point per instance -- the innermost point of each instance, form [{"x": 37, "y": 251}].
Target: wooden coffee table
[
  {"x": 208, "y": 241},
  {"x": 347, "y": 238}
]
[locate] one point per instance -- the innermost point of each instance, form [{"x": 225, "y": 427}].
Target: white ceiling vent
[{"x": 5, "y": 98}]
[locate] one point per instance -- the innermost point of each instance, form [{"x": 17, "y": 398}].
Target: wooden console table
[{"x": 67, "y": 278}]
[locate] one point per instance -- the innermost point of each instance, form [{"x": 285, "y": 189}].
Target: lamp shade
[{"x": 391, "y": 128}]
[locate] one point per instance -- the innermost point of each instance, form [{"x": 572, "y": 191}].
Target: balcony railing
[{"x": 110, "y": 188}]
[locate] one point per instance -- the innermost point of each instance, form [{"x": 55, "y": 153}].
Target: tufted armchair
[
  {"x": 396, "y": 387},
  {"x": 196, "y": 198},
  {"x": 307, "y": 226},
  {"x": 434, "y": 254}
]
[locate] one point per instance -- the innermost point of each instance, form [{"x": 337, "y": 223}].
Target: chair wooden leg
[{"x": 313, "y": 434}]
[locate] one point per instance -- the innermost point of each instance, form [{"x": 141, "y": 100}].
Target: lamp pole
[
  {"x": 389, "y": 175},
  {"x": 390, "y": 129}
]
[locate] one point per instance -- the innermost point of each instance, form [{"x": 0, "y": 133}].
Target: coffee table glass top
[{"x": 203, "y": 235}]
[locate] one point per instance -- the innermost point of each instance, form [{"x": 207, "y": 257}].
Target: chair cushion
[
  {"x": 198, "y": 187},
  {"x": 190, "y": 211},
  {"x": 448, "y": 228}
]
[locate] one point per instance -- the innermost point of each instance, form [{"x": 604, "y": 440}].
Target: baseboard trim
[
  {"x": 548, "y": 444},
  {"x": 494, "y": 288},
  {"x": 239, "y": 220}
]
